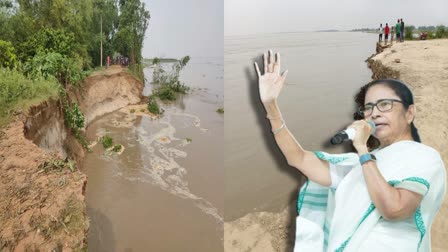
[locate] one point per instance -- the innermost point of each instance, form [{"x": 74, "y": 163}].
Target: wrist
[
  {"x": 272, "y": 110},
  {"x": 361, "y": 149}
]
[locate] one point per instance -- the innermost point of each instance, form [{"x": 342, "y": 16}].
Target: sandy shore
[{"x": 424, "y": 66}]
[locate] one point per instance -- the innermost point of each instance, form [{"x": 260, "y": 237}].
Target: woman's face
[{"x": 392, "y": 125}]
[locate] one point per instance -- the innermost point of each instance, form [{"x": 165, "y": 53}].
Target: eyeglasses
[{"x": 382, "y": 105}]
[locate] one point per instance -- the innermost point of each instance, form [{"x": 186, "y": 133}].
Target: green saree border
[{"x": 419, "y": 223}]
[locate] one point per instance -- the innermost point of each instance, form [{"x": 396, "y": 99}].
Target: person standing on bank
[
  {"x": 397, "y": 30},
  {"x": 386, "y": 34},
  {"x": 380, "y": 32},
  {"x": 402, "y": 31},
  {"x": 392, "y": 184}
]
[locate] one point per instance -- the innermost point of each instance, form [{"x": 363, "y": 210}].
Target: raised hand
[{"x": 271, "y": 82}]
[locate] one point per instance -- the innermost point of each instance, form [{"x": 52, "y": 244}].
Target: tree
[
  {"x": 133, "y": 22},
  {"x": 107, "y": 10}
]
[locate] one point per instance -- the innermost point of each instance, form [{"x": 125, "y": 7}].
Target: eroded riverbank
[{"x": 43, "y": 204}]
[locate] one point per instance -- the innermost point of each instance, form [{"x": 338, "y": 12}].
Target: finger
[
  {"x": 284, "y": 74},
  {"x": 257, "y": 69},
  {"x": 278, "y": 59},
  {"x": 271, "y": 62},
  {"x": 277, "y": 64},
  {"x": 265, "y": 58},
  {"x": 271, "y": 57}
]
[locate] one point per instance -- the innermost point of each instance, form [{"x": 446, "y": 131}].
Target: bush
[
  {"x": 441, "y": 32},
  {"x": 153, "y": 107},
  {"x": 220, "y": 110},
  {"x": 179, "y": 88},
  {"x": 54, "y": 65},
  {"x": 132, "y": 111},
  {"x": 161, "y": 76},
  {"x": 117, "y": 148},
  {"x": 106, "y": 141},
  {"x": 19, "y": 92},
  {"x": 8, "y": 57},
  {"x": 408, "y": 30},
  {"x": 165, "y": 93},
  {"x": 74, "y": 117}
]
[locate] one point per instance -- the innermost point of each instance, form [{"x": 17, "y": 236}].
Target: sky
[
  {"x": 269, "y": 16},
  {"x": 184, "y": 27}
]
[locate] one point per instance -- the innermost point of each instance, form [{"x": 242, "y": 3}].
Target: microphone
[{"x": 349, "y": 134}]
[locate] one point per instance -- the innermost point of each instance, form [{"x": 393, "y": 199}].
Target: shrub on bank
[
  {"x": 441, "y": 32},
  {"x": 153, "y": 107},
  {"x": 54, "y": 65},
  {"x": 106, "y": 141},
  {"x": 408, "y": 30},
  {"x": 18, "y": 92}
]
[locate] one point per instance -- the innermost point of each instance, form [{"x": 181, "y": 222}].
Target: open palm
[{"x": 271, "y": 82}]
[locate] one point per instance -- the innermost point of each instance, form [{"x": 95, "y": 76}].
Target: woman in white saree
[{"x": 385, "y": 196}]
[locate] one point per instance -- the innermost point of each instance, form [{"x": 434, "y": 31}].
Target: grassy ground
[{"x": 18, "y": 93}]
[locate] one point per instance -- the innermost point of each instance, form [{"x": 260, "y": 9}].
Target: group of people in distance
[
  {"x": 398, "y": 30},
  {"x": 119, "y": 60}
]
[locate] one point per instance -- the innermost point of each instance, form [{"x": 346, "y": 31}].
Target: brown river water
[{"x": 165, "y": 191}]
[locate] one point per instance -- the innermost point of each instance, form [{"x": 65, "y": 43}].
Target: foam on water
[{"x": 160, "y": 150}]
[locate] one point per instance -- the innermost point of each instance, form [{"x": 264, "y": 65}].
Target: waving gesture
[{"x": 271, "y": 82}]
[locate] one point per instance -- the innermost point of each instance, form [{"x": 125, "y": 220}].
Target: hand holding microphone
[{"x": 362, "y": 128}]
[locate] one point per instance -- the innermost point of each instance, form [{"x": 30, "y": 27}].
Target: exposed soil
[{"x": 42, "y": 205}]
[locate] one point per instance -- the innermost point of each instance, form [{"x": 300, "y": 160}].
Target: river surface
[
  {"x": 326, "y": 69},
  {"x": 165, "y": 192}
]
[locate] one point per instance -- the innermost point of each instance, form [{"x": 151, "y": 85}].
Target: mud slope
[{"x": 42, "y": 205}]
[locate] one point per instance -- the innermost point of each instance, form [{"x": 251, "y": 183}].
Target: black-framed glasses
[{"x": 382, "y": 105}]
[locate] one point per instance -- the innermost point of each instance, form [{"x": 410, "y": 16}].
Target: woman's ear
[{"x": 410, "y": 114}]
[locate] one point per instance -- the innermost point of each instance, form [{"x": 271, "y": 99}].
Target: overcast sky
[
  {"x": 267, "y": 16},
  {"x": 184, "y": 27}
]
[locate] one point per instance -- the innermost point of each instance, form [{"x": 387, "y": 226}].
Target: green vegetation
[
  {"x": 408, "y": 31},
  {"x": 132, "y": 111},
  {"x": 18, "y": 92},
  {"x": 106, "y": 141},
  {"x": 117, "y": 148},
  {"x": 220, "y": 110},
  {"x": 153, "y": 107},
  {"x": 168, "y": 83},
  {"x": 142, "y": 110},
  {"x": 441, "y": 32},
  {"x": 8, "y": 57},
  {"x": 58, "y": 165},
  {"x": 48, "y": 44},
  {"x": 189, "y": 140}
]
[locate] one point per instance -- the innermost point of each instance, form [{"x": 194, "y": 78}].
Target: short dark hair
[{"x": 401, "y": 90}]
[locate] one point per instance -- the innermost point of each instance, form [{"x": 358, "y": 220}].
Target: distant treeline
[{"x": 72, "y": 28}]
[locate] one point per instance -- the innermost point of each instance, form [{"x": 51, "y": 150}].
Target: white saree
[{"x": 343, "y": 218}]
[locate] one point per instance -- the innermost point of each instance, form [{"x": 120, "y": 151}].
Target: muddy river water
[{"x": 165, "y": 191}]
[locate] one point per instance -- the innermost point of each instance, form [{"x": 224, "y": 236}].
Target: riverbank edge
[{"x": 46, "y": 210}]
